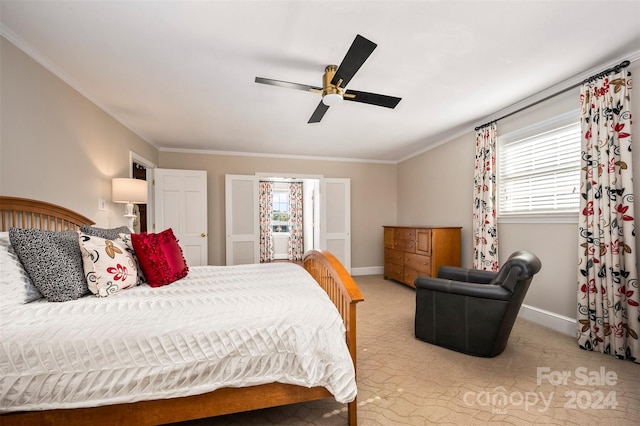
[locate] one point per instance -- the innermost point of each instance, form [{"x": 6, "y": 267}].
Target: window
[
  {"x": 539, "y": 169},
  {"x": 280, "y": 215}
]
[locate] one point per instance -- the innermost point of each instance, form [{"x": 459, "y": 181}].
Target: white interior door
[
  {"x": 335, "y": 218},
  {"x": 241, "y": 218},
  {"x": 181, "y": 204}
]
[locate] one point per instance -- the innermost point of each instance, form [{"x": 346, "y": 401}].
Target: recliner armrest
[
  {"x": 461, "y": 288},
  {"x": 457, "y": 273}
]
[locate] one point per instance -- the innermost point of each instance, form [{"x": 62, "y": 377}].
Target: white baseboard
[
  {"x": 545, "y": 318},
  {"x": 548, "y": 319},
  {"x": 369, "y": 270}
]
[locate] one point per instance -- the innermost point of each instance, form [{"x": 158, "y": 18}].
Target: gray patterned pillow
[
  {"x": 107, "y": 234},
  {"x": 53, "y": 261}
]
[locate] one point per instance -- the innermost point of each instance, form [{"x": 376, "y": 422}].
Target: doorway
[
  {"x": 287, "y": 218},
  {"x": 142, "y": 168},
  {"x": 327, "y": 224},
  {"x": 139, "y": 171}
]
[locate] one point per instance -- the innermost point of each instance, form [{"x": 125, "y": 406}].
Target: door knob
[{"x": 203, "y": 235}]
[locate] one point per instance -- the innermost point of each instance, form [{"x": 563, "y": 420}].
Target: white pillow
[
  {"x": 108, "y": 266},
  {"x": 16, "y": 288}
]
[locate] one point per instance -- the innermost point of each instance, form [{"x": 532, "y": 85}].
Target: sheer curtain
[
  {"x": 265, "y": 207},
  {"x": 608, "y": 293},
  {"x": 485, "y": 227},
  {"x": 296, "y": 242}
]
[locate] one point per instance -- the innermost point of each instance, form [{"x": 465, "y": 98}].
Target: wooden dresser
[{"x": 410, "y": 251}]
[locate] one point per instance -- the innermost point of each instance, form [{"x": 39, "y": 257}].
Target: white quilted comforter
[{"x": 221, "y": 326}]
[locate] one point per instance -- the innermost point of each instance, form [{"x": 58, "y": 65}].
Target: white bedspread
[{"x": 221, "y": 326}]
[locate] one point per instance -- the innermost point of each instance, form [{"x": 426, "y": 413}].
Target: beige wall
[
  {"x": 373, "y": 195},
  {"x": 435, "y": 188},
  {"x": 56, "y": 145}
]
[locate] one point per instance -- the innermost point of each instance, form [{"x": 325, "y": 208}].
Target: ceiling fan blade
[
  {"x": 372, "y": 98},
  {"x": 359, "y": 51},
  {"x": 318, "y": 113},
  {"x": 288, "y": 85}
]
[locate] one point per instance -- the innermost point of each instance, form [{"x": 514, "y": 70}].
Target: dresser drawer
[
  {"x": 405, "y": 234},
  {"x": 393, "y": 271},
  {"x": 415, "y": 250},
  {"x": 405, "y": 245},
  {"x": 393, "y": 256},
  {"x": 418, "y": 263},
  {"x": 410, "y": 276}
]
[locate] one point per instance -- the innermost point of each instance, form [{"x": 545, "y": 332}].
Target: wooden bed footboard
[
  {"x": 334, "y": 279},
  {"x": 322, "y": 265}
]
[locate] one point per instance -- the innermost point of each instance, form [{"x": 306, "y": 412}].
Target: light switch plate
[{"x": 102, "y": 205}]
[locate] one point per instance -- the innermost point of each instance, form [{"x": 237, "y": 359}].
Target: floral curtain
[
  {"x": 296, "y": 242},
  {"x": 485, "y": 227},
  {"x": 608, "y": 293},
  {"x": 265, "y": 207}
]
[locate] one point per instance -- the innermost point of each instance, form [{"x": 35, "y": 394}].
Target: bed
[{"x": 196, "y": 398}]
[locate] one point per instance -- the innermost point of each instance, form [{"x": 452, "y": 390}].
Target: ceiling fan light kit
[
  {"x": 332, "y": 94},
  {"x": 332, "y": 99},
  {"x": 335, "y": 80}
]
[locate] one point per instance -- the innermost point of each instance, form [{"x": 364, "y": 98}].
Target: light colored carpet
[{"x": 404, "y": 381}]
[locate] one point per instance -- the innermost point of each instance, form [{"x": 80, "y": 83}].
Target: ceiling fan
[{"x": 335, "y": 80}]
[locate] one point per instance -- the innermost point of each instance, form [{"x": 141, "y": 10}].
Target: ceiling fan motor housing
[{"x": 331, "y": 94}]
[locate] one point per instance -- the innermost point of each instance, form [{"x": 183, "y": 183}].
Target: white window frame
[
  {"x": 274, "y": 223},
  {"x": 538, "y": 129}
]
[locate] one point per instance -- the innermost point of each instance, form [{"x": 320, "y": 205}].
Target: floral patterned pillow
[
  {"x": 108, "y": 266},
  {"x": 126, "y": 240},
  {"x": 160, "y": 257}
]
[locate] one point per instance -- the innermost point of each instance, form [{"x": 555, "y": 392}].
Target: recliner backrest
[{"x": 521, "y": 266}]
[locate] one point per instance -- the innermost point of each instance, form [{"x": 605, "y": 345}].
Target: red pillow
[{"x": 160, "y": 257}]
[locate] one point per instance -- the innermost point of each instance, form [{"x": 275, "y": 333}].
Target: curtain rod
[{"x": 616, "y": 69}]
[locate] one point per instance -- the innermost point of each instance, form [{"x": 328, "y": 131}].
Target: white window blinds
[{"x": 540, "y": 173}]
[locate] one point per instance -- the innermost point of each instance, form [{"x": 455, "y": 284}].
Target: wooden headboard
[{"x": 25, "y": 213}]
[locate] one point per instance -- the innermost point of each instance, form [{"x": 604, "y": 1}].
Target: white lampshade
[
  {"x": 132, "y": 191},
  {"x": 332, "y": 99}
]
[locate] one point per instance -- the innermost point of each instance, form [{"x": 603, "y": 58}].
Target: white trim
[
  {"x": 540, "y": 218},
  {"x": 276, "y": 176},
  {"x": 137, "y": 158},
  {"x": 557, "y": 322},
  {"x": 263, "y": 155}
]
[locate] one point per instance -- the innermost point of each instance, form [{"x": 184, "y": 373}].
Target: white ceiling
[{"x": 180, "y": 74}]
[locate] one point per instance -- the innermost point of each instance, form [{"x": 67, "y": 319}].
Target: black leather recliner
[{"x": 473, "y": 311}]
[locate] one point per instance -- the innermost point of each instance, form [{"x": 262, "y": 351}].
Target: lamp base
[{"x": 128, "y": 213}]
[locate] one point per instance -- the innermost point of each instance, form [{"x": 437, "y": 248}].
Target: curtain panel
[
  {"x": 608, "y": 293},
  {"x": 296, "y": 241},
  {"x": 265, "y": 211},
  {"x": 485, "y": 227}
]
